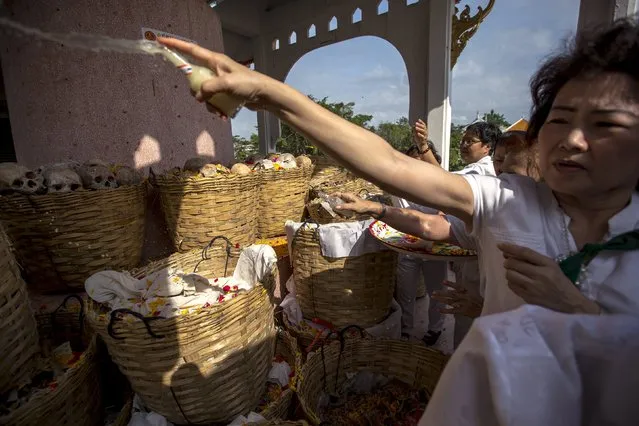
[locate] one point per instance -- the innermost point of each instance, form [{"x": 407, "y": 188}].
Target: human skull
[
  {"x": 264, "y": 165},
  {"x": 69, "y": 165},
  {"x": 303, "y": 161},
  {"x": 97, "y": 175},
  {"x": 240, "y": 169},
  {"x": 61, "y": 180},
  {"x": 208, "y": 170},
  {"x": 126, "y": 176},
  {"x": 287, "y": 161},
  {"x": 14, "y": 177}
]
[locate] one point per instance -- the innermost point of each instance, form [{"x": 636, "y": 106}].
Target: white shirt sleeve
[
  {"x": 471, "y": 169},
  {"x": 496, "y": 203},
  {"x": 461, "y": 234}
]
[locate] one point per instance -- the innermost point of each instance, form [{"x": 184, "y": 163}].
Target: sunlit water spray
[
  {"x": 227, "y": 105},
  {"x": 93, "y": 42}
]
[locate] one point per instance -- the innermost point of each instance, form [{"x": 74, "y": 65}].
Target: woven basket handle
[
  {"x": 205, "y": 252},
  {"x": 306, "y": 222},
  {"x": 145, "y": 320},
  {"x": 342, "y": 343},
  {"x": 63, "y": 305}
]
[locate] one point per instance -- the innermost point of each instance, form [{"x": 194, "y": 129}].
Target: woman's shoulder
[{"x": 507, "y": 189}]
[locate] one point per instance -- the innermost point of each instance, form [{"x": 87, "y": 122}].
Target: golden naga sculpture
[{"x": 465, "y": 26}]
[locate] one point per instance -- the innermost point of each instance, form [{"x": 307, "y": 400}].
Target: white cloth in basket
[
  {"x": 171, "y": 292},
  {"x": 533, "y": 366},
  {"x": 348, "y": 239}
]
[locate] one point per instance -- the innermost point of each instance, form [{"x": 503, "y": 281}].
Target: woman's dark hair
[
  {"x": 413, "y": 150},
  {"x": 487, "y": 133},
  {"x": 516, "y": 135},
  {"x": 613, "y": 49}
]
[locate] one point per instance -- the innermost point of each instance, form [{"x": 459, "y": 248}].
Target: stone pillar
[
  {"x": 439, "y": 76},
  {"x": 601, "y": 12},
  {"x": 132, "y": 109},
  {"x": 268, "y": 125}
]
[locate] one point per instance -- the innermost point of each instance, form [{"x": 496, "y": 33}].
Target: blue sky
[{"x": 492, "y": 72}]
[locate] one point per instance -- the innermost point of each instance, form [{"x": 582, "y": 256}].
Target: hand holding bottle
[
  {"x": 231, "y": 77},
  {"x": 353, "y": 203}
]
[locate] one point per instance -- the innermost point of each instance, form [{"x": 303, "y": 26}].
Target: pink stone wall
[
  {"x": 129, "y": 109},
  {"x": 132, "y": 109}
]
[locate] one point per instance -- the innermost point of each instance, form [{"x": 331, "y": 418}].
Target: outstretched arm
[
  {"x": 358, "y": 149},
  {"x": 431, "y": 227}
]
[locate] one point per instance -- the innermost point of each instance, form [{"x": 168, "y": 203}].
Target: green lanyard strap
[{"x": 571, "y": 266}]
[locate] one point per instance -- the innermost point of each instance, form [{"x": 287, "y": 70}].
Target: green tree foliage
[
  {"x": 296, "y": 144},
  {"x": 496, "y": 119},
  {"x": 244, "y": 148},
  {"x": 398, "y": 134},
  {"x": 454, "y": 160}
]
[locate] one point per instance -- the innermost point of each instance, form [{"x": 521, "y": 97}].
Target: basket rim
[
  {"x": 166, "y": 178},
  {"x": 93, "y": 310},
  {"x": 75, "y": 194}
]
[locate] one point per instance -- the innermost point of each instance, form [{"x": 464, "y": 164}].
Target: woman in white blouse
[{"x": 586, "y": 117}]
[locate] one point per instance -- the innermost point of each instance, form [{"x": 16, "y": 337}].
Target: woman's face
[
  {"x": 589, "y": 143},
  {"x": 498, "y": 158}
]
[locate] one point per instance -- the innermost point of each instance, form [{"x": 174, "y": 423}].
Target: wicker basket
[
  {"x": 326, "y": 369},
  {"x": 76, "y": 399},
  {"x": 309, "y": 340},
  {"x": 204, "y": 367},
  {"x": 325, "y": 168},
  {"x": 18, "y": 332},
  {"x": 199, "y": 209},
  {"x": 350, "y": 290},
  {"x": 287, "y": 347},
  {"x": 319, "y": 215},
  {"x": 217, "y": 259},
  {"x": 282, "y": 198},
  {"x": 65, "y": 322},
  {"x": 61, "y": 239}
]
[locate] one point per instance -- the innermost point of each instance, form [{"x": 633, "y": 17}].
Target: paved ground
[{"x": 445, "y": 341}]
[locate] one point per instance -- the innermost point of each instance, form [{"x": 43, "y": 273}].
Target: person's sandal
[{"x": 431, "y": 337}]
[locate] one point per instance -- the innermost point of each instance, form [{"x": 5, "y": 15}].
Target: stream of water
[{"x": 92, "y": 42}]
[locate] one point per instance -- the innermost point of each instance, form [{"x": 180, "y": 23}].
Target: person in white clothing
[
  {"x": 411, "y": 269},
  {"x": 476, "y": 145},
  {"x": 568, "y": 243}
]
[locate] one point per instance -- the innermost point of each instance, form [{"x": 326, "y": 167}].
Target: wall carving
[{"x": 465, "y": 26}]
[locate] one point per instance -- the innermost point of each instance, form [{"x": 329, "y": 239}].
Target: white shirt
[
  {"x": 482, "y": 167},
  {"x": 469, "y": 271},
  {"x": 518, "y": 210}
]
